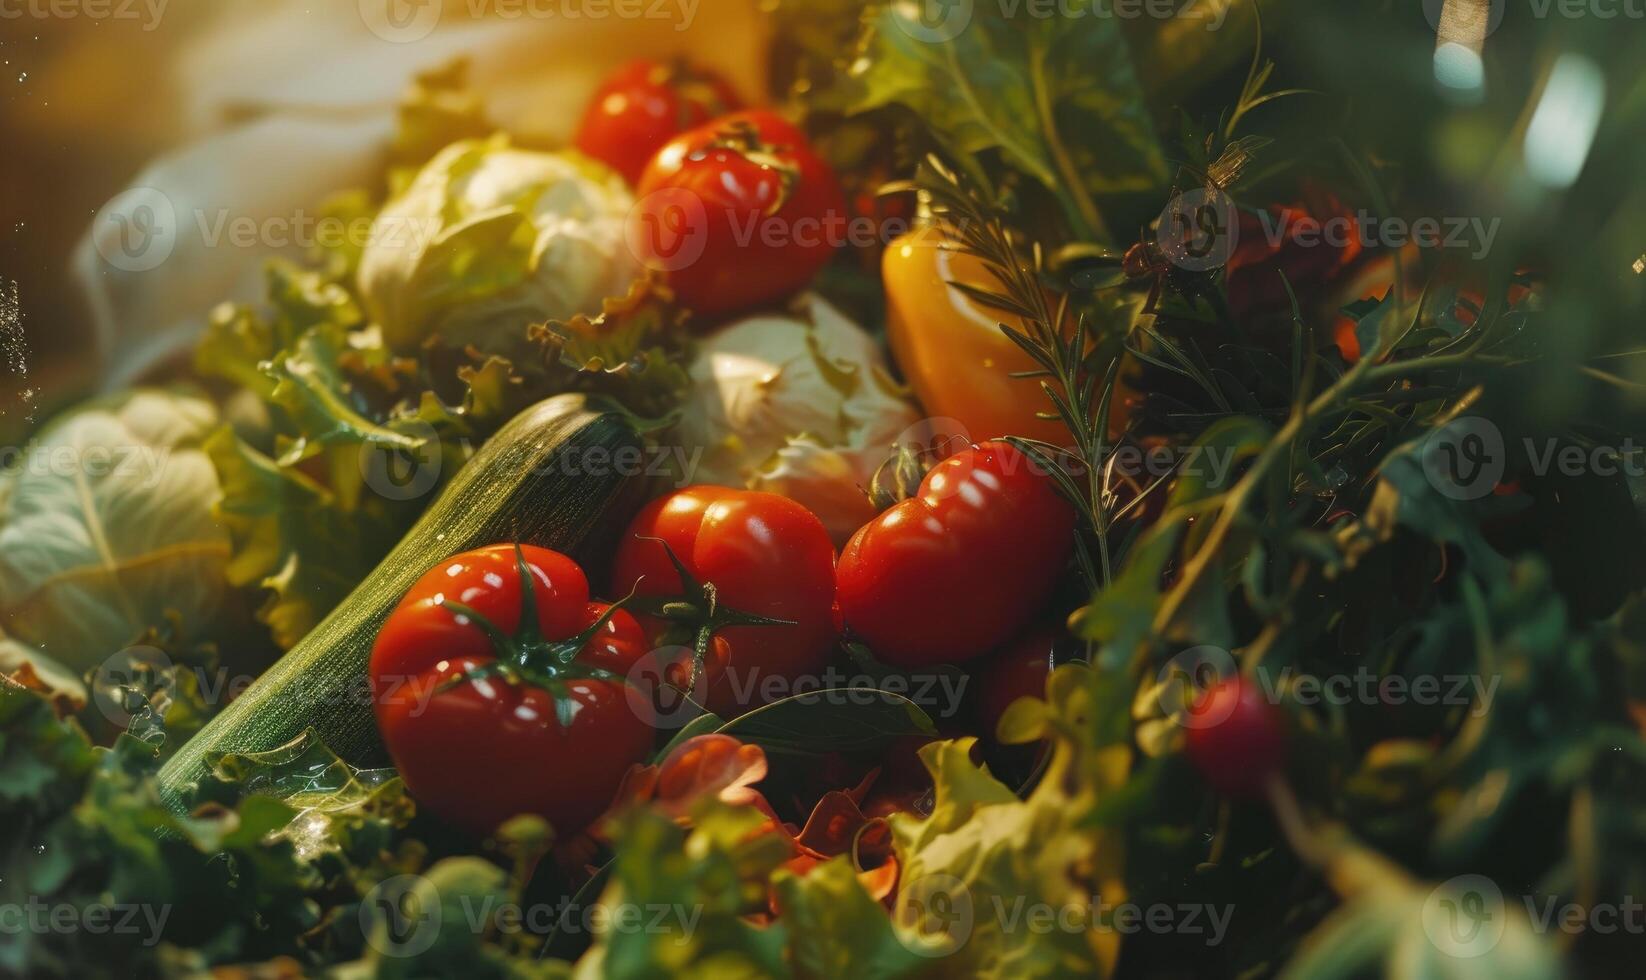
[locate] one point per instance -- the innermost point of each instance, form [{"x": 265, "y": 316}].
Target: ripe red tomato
[
  {"x": 495, "y": 700},
  {"x": 956, "y": 570},
  {"x": 763, "y": 555},
  {"x": 643, "y": 105},
  {"x": 738, "y": 213},
  {"x": 1018, "y": 671},
  {"x": 1237, "y": 737}
]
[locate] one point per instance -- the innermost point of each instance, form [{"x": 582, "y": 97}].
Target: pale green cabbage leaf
[
  {"x": 489, "y": 238},
  {"x": 107, "y": 525}
]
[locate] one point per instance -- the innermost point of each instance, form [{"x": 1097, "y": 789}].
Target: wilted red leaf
[
  {"x": 833, "y": 825},
  {"x": 881, "y": 882},
  {"x": 708, "y": 765},
  {"x": 872, "y": 846}
]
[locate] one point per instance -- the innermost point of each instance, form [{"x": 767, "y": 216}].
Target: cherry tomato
[
  {"x": 761, "y": 555},
  {"x": 957, "y": 569},
  {"x": 643, "y": 105},
  {"x": 738, "y": 213},
  {"x": 1237, "y": 737},
  {"x": 499, "y": 690},
  {"x": 953, "y": 353}
]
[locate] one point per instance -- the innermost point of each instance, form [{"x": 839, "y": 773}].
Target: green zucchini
[{"x": 546, "y": 478}]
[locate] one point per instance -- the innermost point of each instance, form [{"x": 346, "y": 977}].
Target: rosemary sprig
[{"x": 1080, "y": 395}]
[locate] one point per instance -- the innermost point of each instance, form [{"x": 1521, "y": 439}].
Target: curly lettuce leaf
[
  {"x": 93, "y": 833},
  {"x": 710, "y": 878},
  {"x": 354, "y": 446},
  {"x": 633, "y": 351},
  {"x": 837, "y": 930},
  {"x": 290, "y": 538},
  {"x": 985, "y": 857}
]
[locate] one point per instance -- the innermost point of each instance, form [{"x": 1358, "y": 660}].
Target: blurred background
[
  {"x": 79, "y": 115},
  {"x": 246, "y": 109},
  {"x": 264, "y": 107}
]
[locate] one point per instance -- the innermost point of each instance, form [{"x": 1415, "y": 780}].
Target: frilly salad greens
[
  {"x": 1048, "y": 146},
  {"x": 341, "y": 388}
]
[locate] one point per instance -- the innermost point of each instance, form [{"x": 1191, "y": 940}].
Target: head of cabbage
[
  {"x": 799, "y": 405},
  {"x": 106, "y": 525},
  {"x": 489, "y": 238}
]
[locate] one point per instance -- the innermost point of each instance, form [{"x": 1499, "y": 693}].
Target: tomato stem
[
  {"x": 528, "y": 656},
  {"x": 744, "y": 139},
  {"x": 698, "y": 609}
]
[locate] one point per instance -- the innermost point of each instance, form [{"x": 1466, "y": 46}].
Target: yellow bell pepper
[{"x": 952, "y": 351}]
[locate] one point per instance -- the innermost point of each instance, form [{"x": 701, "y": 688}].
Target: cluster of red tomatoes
[
  {"x": 735, "y": 207},
  {"x": 502, "y": 688},
  {"x": 498, "y": 662}
]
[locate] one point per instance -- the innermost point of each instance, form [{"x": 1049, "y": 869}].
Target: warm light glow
[{"x": 1563, "y": 126}]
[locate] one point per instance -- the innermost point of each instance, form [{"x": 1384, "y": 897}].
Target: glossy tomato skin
[
  {"x": 766, "y": 219},
  {"x": 1018, "y": 671},
  {"x": 643, "y": 105},
  {"x": 1236, "y": 737},
  {"x": 483, "y": 751},
  {"x": 956, "y": 570},
  {"x": 766, "y": 556}
]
